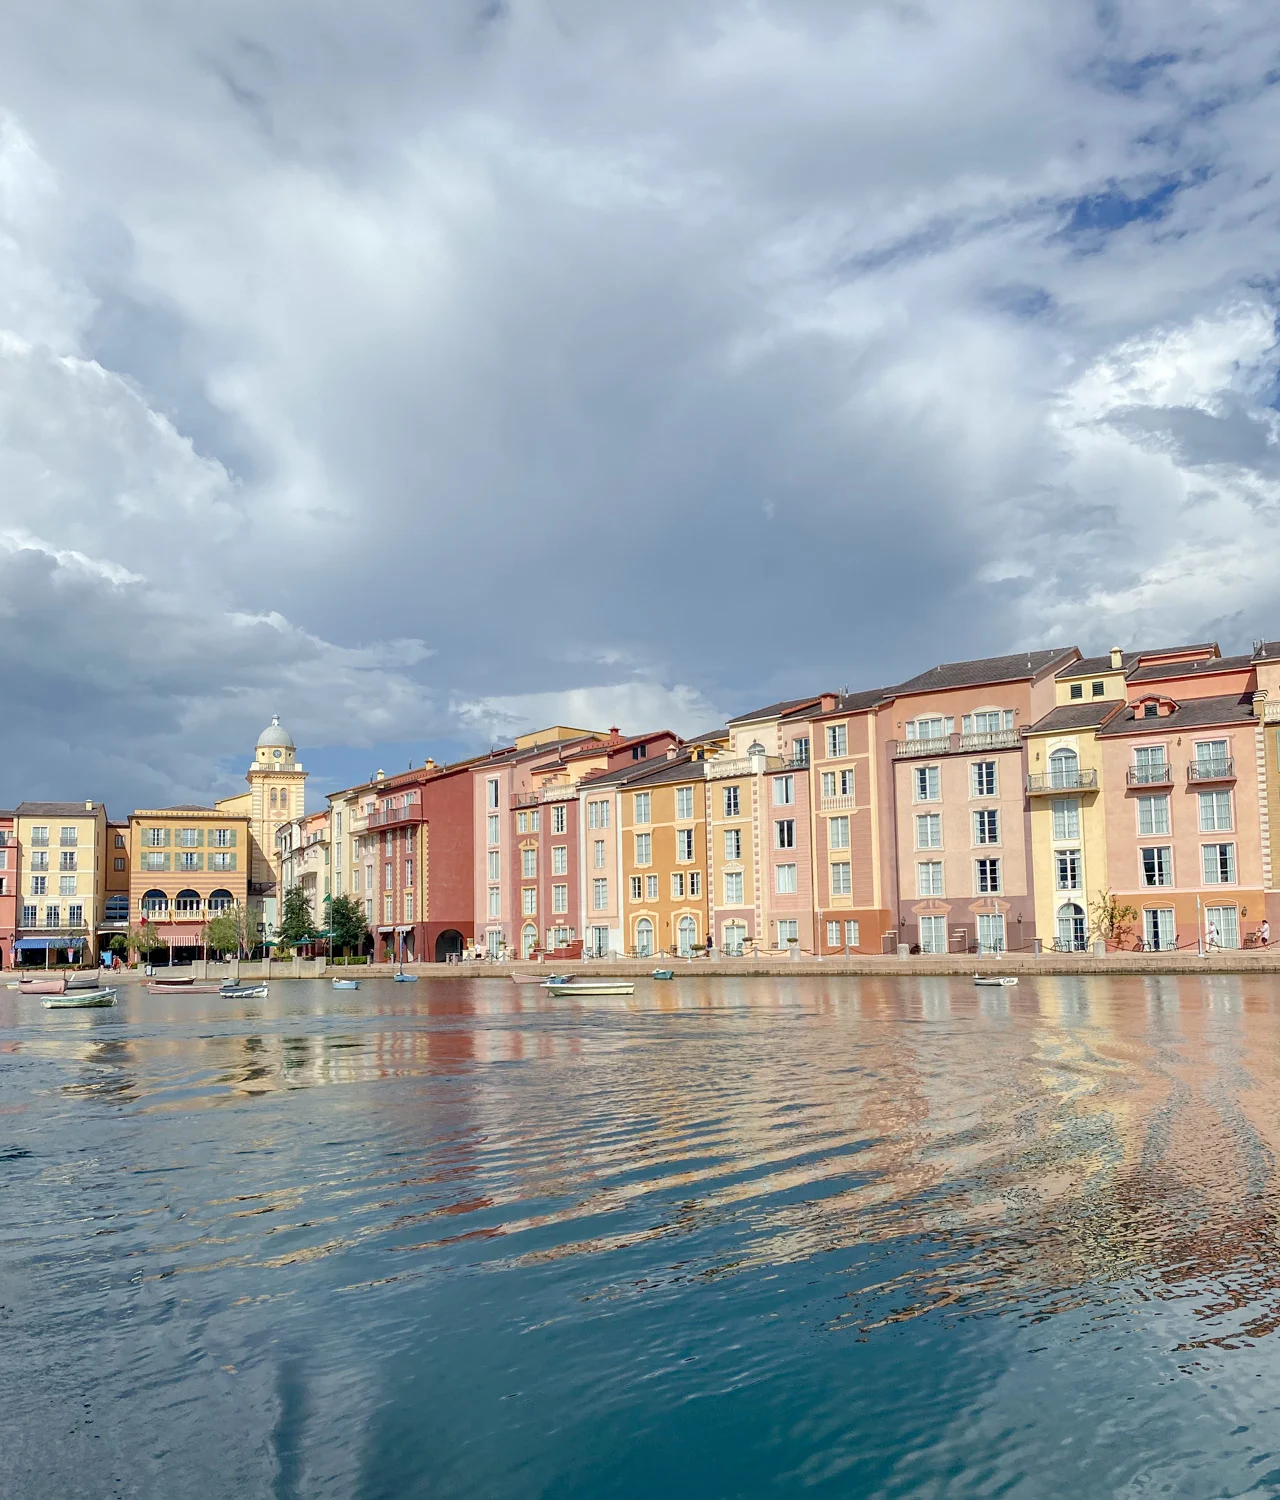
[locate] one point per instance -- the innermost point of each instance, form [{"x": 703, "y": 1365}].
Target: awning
[{"x": 33, "y": 944}]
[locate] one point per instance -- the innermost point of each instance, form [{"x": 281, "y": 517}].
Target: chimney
[
  {"x": 615, "y": 734},
  {"x": 1117, "y": 658},
  {"x": 1260, "y": 704},
  {"x": 381, "y": 776}
]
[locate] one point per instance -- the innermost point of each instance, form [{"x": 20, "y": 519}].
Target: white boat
[
  {"x": 80, "y": 1000},
  {"x": 588, "y": 987},
  {"x": 346, "y": 984},
  {"x": 1000, "y": 980},
  {"x": 243, "y": 991}
]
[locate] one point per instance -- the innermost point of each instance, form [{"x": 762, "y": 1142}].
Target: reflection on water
[{"x": 879, "y": 1237}]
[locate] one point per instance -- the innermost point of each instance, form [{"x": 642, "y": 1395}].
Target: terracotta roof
[
  {"x": 778, "y": 710},
  {"x": 852, "y": 703},
  {"x": 56, "y": 810},
  {"x": 637, "y": 770},
  {"x": 1190, "y": 713},
  {"x": 609, "y": 746},
  {"x": 655, "y": 772},
  {"x": 1090, "y": 666},
  {"x": 1176, "y": 650},
  {"x": 1190, "y": 668},
  {"x": 1068, "y": 716},
  {"x": 1013, "y": 668}
]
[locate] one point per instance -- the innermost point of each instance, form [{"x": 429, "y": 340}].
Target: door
[
  {"x": 991, "y": 933},
  {"x": 735, "y": 937},
  {"x": 687, "y": 936},
  {"x": 644, "y": 938},
  {"x": 1071, "y": 928}
]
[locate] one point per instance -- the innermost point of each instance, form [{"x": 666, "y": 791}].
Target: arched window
[
  {"x": 273, "y": 796},
  {"x": 687, "y": 935},
  {"x": 220, "y": 901},
  {"x": 644, "y": 938},
  {"x": 284, "y": 799},
  {"x": 155, "y": 904},
  {"x": 1064, "y": 768},
  {"x": 528, "y": 940},
  {"x": 734, "y": 937},
  {"x": 116, "y": 909},
  {"x": 1071, "y": 928},
  {"x": 187, "y": 904}
]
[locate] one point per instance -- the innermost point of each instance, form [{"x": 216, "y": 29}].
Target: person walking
[
  {"x": 1264, "y": 933},
  {"x": 1212, "y": 937}
]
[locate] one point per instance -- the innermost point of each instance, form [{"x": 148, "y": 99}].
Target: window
[
  {"x": 930, "y": 727},
  {"x": 39, "y": 859},
  {"x": 929, "y": 831},
  {"x": 1067, "y": 867},
  {"x": 153, "y": 837},
  {"x": 1071, "y": 930},
  {"x": 786, "y": 880},
  {"x": 560, "y": 859},
  {"x": 842, "y": 878},
  {"x": 637, "y": 887},
  {"x": 733, "y": 843},
  {"x": 67, "y": 859},
  {"x": 1097, "y": 688},
  {"x": 928, "y": 784},
  {"x": 1150, "y": 711},
  {"x": 39, "y": 835},
  {"x": 686, "y": 936},
  {"x": 1077, "y": 689},
  {"x": 188, "y": 861},
  {"x": 559, "y": 898},
  {"x": 982, "y": 778},
  {"x": 495, "y": 901},
  {"x": 408, "y": 906},
  {"x": 731, "y": 802},
  {"x": 639, "y": 752},
  {"x": 837, "y": 740},
  {"x": 1222, "y": 926},
  {"x": 988, "y": 876},
  {"x": 1158, "y": 929},
  {"x": 222, "y": 861},
  {"x": 684, "y": 844},
  {"x": 28, "y": 916},
  {"x": 386, "y": 875},
  {"x": 68, "y": 835},
  {"x": 838, "y": 833},
  {"x": 495, "y": 865},
  {"x": 67, "y": 885},
  {"x": 677, "y": 886},
  {"x": 933, "y": 934},
  {"x": 986, "y": 826},
  {"x": 522, "y": 822},
  {"x": 528, "y": 864},
  {"x": 1153, "y": 814},
  {"x": 559, "y": 818},
  {"x": 600, "y": 895},
  {"x": 535, "y": 822},
  {"x": 1215, "y": 811},
  {"x": 1212, "y": 758},
  {"x": 118, "y": 865},
  {"x": 599, "y": 941},
  {"x": 1066, "y": 818},
  {"x": 494, "y": 823},
  {"x": 642, "y": 804},
  {"x": 597, "y": 815},
  {"x": 929, "y": 878},
  {"x": 644, "y": 938},
  {"x": 188, "y": 838},
  {"x": 53, "y": 916},
  {"x": 784, "y": 791},
  {"x": 597, "y": 853},
  {"x": 684, "y": 802},
  {"x": 650, "y": 887},
  {"x": 39, "y": 885},
  {"x": 529, "y": 900},
  {"x": 1064, "y": 768},
  {"x": 733, "y": 888},
  {"x": 990, "y": 933},
  {"x": 491, "y": 792},
  {"x": 408, "y": 872},
  {"x": 788, "y": 932},
  {"x": 644, "y": 848},
  {"x": 1157, "y": 865},
  {"x": 223, "y": 838},
  {"x": 119, "y": 841},
  {"x": 1149, "y": 765},
  {"x": 784, "y": 833},
  {"x": 493, "y": 943},
  {"x": 1219, "y": 864},
  {"x": 695, "y": 882},
  {"x": 850, "y": 934}
]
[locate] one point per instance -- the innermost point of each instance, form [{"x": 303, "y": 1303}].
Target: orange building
[{"x": 186, "y": 864}]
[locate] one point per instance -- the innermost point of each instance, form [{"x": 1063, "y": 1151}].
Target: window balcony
[
  {"x": 839, "y": 804},
  {"x": 1055, "y": 783},
  {"x": 992, "y": 739},
  {"x": 390, "y": 817},
  {"x": 1221, "y": 769},
  {"x": 906, "y": 749},
  {"x": 1149, "y": 776}
]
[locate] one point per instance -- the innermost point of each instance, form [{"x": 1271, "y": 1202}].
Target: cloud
[{"x": 416, "y": 371}]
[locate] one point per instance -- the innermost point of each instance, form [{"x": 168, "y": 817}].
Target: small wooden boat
[
  {"x": 588, "y": 987},
  {"x": 405, "y": 978},
  {"x": 529, "y": 979},
  {"x": 80, "y": 1000},
  {"x": 346, "y": 984},
  {"x": 56, "y": 986},
  {"x": 243, "y": 991},
  {"x": 182, "y": 989},
  {"x": 663, "y": 974},
  {"x": 172, "y": 984},
  {"x": 999, "y": 980},
  {"x": 91, "y": 981}
]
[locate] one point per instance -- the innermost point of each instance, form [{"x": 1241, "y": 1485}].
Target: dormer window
[{"x": 1150, "y": 710}]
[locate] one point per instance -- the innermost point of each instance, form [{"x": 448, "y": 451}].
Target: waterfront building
[
  {"x": 187, "y": 864},
  {"x": 303, "y": 859},
  {"x": 9, "y": 877},
  {"x": 277, "y": 793},
  {"x": 115, "y": 900},
  {"x": 61, "y": 850}
]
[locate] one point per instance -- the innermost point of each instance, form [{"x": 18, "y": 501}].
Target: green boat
[
  {"x": 663, "y": 974},
  {"x": 80, "y": 1000}
]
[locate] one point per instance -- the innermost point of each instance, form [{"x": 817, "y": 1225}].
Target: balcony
[
  {"x": 1221, "y": 769},
  {"x": 389, "y": 817},
  {"x": 839, "y": 804},
  {"x": 957, "y": 744},
  {"x": 1149, "y": 776},
  {"x": 905, "y": 749},
  {"x": 1054, "y": 783},
  {"x": 993, "y": 739},
  {"x": 745, "y": 765}
]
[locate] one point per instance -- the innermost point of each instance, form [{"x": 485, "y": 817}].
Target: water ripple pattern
[{"x": 856, "y": 1237}]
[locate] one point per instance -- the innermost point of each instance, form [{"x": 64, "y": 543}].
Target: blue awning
[{"x": 48, "y": 942}]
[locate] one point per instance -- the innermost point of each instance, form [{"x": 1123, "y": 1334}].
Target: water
[{"x": 871, "y": 1238}]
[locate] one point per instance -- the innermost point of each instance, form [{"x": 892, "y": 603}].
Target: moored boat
[
  {"x": 184, "y": 983},
  {"x": 346, "y": 984},
  {"x": 243, "y": 991},
  {"x": 405, "y": 978},
  {"x": 80, "y": 1000},
  {"x": 529, "y": 979},
  {"x": 43, "y": 986},
  {"x": 589, "y": 987},
  {"x": 182, "y": 989},
  {"x": 999, "y": 980},
  {"x": 91, "y": 981},
  {"x": 663, "y": 974}
]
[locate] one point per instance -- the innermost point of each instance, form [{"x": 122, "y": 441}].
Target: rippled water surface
[{"x": 727, "y": 1238}]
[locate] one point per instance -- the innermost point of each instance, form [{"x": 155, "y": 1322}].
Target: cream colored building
[
  {"x": 63, "y": 848},
  {"x": 276, "y": 796}
]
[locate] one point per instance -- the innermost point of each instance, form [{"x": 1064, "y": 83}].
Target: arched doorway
[
  {"x": 686, "y": 936},
  {"x": 1064, "y": 769},
  {"x": 528, "y": 940},
  {"x": 644, "y": 938},
  {"x": 1072, "y": 935},
  {"x": 448, "y": 945}
]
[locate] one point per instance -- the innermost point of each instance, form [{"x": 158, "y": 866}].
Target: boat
[
  {"x": 663, "y": 974},
  {"x": 1000, "y": 980},
  {"x": 56, "y": 986},
  {"x": 80, "y": 1000},
  {"x": 346, "y": 984},
  {"x": 92, "y": 981},
  {"x": 243, "y": 991},
  {"x": 184, "y": 989},
  {"x": 529, "y": 978},
  {"x": 588, "y": 987},
  {"x": 405, "y": 978},
  {"x": 172, "y": 984}
]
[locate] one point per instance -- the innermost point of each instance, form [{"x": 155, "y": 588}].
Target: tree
[
  {"x": 347, "y": 926},
  {"x": 228, "y": 932},
  {"x": 296, "y": 925},
  {"x": 1111, "y": 919},
  {"x": 145, "y": 941},
  {"x": 119, "y": 945}
]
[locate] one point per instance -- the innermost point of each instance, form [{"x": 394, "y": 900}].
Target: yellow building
[
  {"x": 186, "y": 864},
  {"x": 663, "y": 828},
  {"x": 1065, "y": 795},
  {"x": 63, "y": 849},
  {"x": 277, "y": 794}
]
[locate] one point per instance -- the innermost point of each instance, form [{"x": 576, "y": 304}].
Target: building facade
[
  {"x": 61, "y": 850},
  {"x": 187, "y": 864}
]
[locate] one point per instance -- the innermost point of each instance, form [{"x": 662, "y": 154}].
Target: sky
[{"x": 426, "y": 372}]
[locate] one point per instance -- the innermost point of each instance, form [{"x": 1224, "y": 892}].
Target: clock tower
[{"x": 276, "y": 795}]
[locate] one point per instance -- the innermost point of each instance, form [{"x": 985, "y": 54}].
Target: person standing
[
  {"x": 1212, "y": 938},
  {"x": 1264, "y": 933}
]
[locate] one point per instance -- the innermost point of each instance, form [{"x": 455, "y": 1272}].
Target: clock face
[{"x": 277, "y": 754}]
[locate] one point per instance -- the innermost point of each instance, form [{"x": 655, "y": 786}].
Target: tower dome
[{"x": 275, "y": 735}]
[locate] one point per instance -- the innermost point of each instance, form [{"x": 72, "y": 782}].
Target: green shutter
[
  {"x": 233, "y": 858},
  {"x": 199, "y": 838},
  {"x": 166, "y": 843},
  {"x": 233, "y": 844},
  {"x": 199, "y": 861},
  {"x": 166, "y": 858}
]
